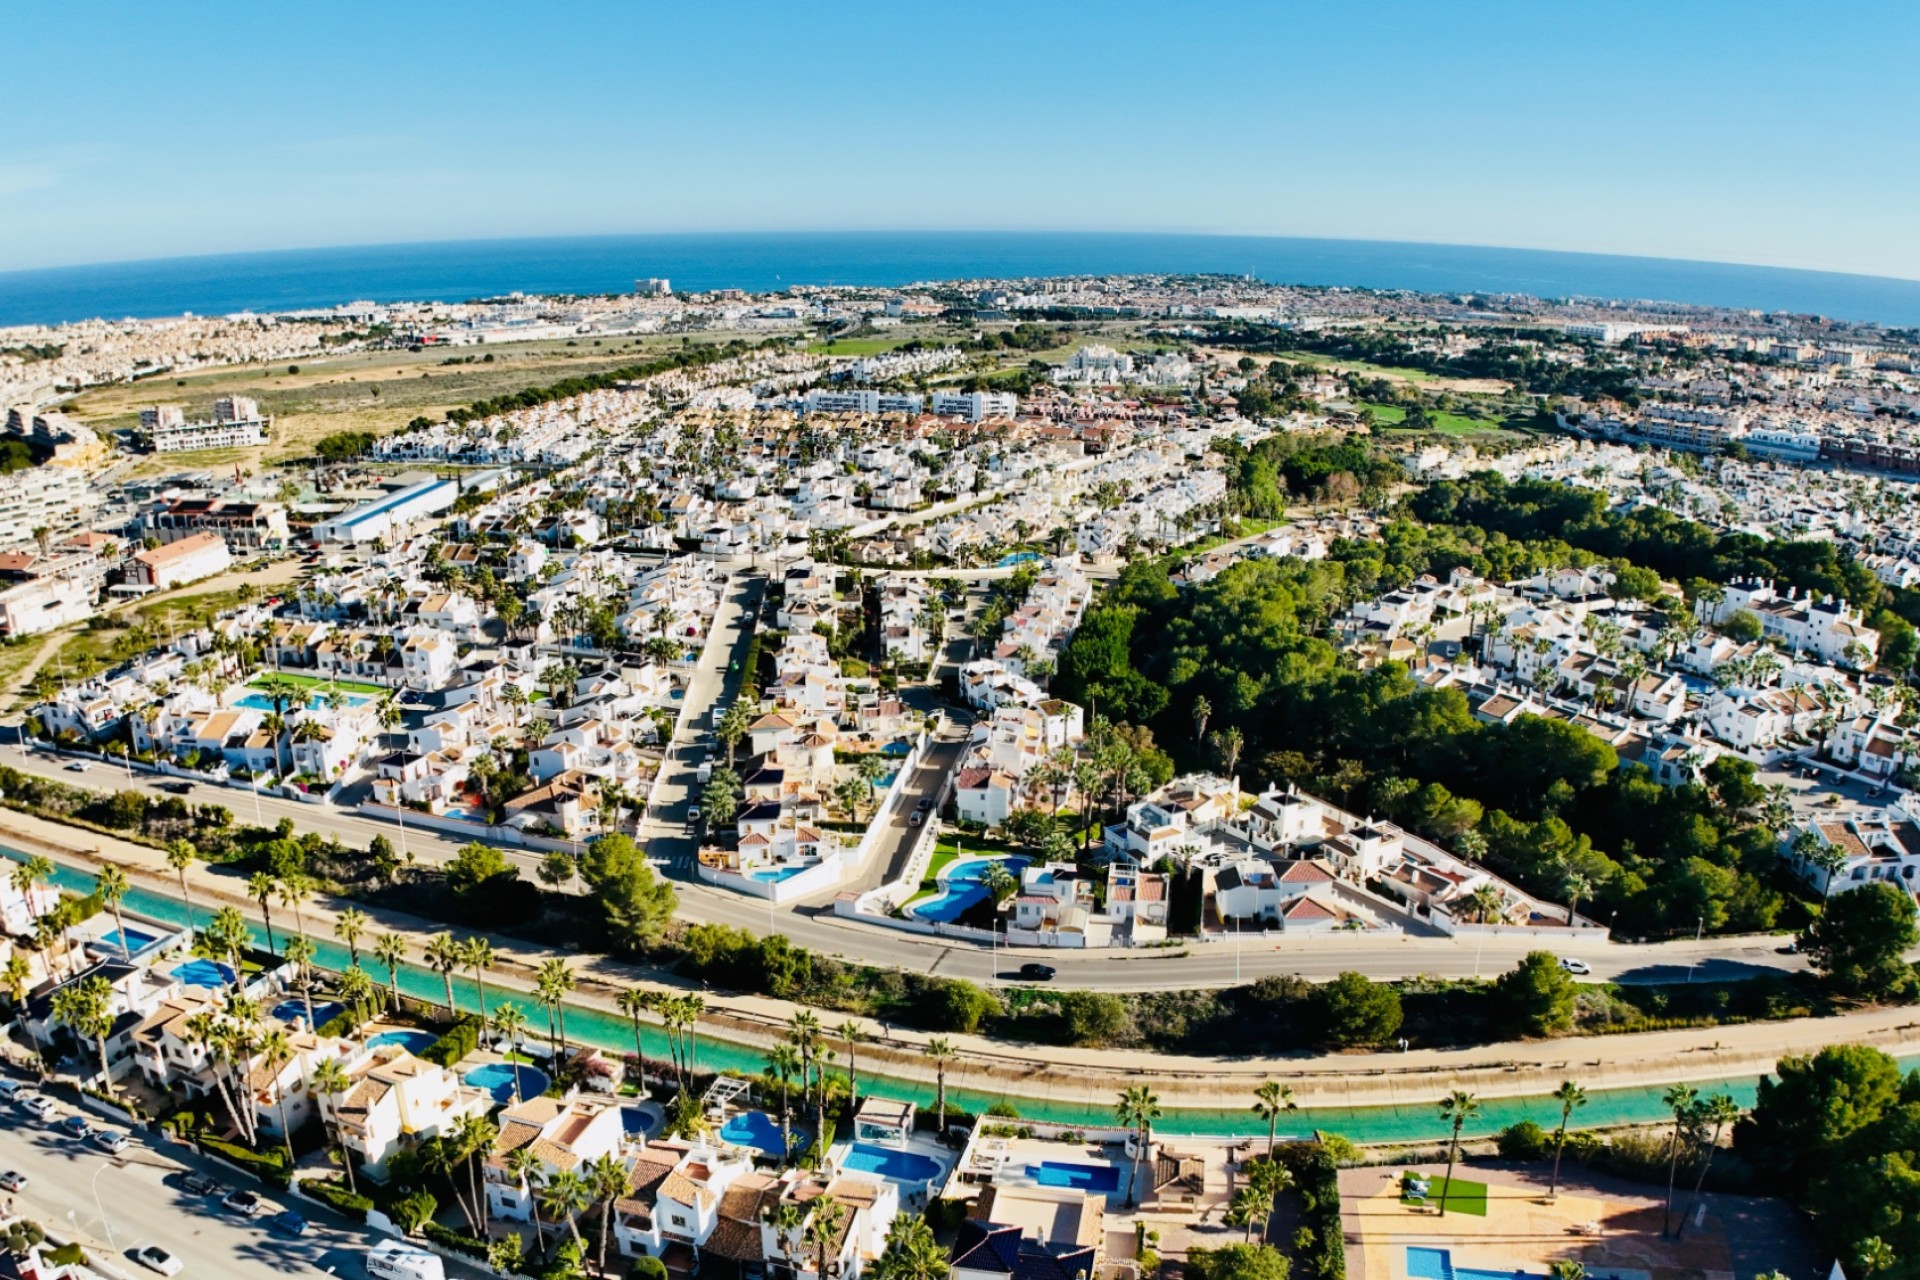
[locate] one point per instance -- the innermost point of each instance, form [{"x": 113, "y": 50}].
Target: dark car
[
  {"x": 1034, "y": 971},
  {"x": 176, "y": 788},
  {"x": 287, "y": 1223},
  {"x": 202, "y": 1185}
]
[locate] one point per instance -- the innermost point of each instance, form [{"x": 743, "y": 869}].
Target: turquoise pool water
[
  {"x": 204, "y": 973},
  {"x": 1410, "y": 1123},
  {"x": 1437, "y": 1264},
  {"x": 962, "y": 879},
  {"x": 1080, "y": 1177},
  {"x": 114, "y": 940},
  {"x": 896, "y": 1166},
  {"x": 775, "y": 875},
  {"x": 412, "y": 1041},
  {"x": 497, "y": 1078},
  {"x": 261, "y": 702},
  {"x": 323, "y": 1013},
  {"x": 755, "y": 1129}
]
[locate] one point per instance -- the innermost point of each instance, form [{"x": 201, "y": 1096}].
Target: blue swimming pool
[
  {"x": 411, "y": 1041},
  {"x": 1080, "y": 1177},
  {"x": 1437, "y": 1264},
  {"x": 638, "y": 1121},
  {"x": 323, "y": 1013},
  {"x": 896, "y": 1166},
  {"x": 962, "y": 887},
  {"x": 758, "y": 1130},
  {"x": 261, "y": 702},
  {"x": 497, "y": 1079},
  {"x": 204, "y": 973},
  {"x": 774, "y": 875},
  {"x": 132, "y": 939}
]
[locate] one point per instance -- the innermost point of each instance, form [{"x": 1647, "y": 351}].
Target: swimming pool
[
  {"x": 758, "y": 1130},
  {"x": 497, "y": 1078},
  {"x": 774, "y": 875},
  {"x": 323, "y": 1013},
  {"x": 132, "y": 939},
  {"x": 896, "y": 1166},
  {"x": 638, "y": 1121},
  {"x": 962, "y": 886},
  {"x": 261, "y": 702},
  {"x": 1080, "y": 1177},
  {"x": 204, "y": 973},
  {"x": 414, "y": 1042},
  {"x": 1437, "y": 1264}
]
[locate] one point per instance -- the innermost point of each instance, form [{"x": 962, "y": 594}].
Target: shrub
[
  {"x": 461, "y": 1039},
  {"x": 336, "y": 1194},
  {"x": 459, "y": 1242},
  {"x": 1523, "y": 1141},
  {"x": 1317, "y": 1178},
  {"x": 269, "y": 1165},
  {"x": 413, "y": 1211},
  {"x": 648, "y": 1268}
]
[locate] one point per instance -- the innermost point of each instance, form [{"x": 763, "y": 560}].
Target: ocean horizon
[{"x": 456, "y": 271}]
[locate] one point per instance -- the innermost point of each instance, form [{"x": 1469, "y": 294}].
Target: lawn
[
  {"x": 315, "y": 682},
  {"x": 1460, "y": 1196}
]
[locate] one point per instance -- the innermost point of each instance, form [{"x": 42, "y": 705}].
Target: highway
[{"x": 114, "y": 1205}]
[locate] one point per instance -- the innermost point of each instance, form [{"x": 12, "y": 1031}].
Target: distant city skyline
[{"x": 1763, "y": 133}]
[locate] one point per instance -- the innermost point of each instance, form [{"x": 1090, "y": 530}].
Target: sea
[{"x": 453, "y": 271}]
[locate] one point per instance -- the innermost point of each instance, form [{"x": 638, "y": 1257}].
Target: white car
[
  {"x": 12, "y": 1180},
  {"x": 154, "y": 1258},
  {"x": 40, "y": 1106},
  {"x": 1576, "y": 966}
]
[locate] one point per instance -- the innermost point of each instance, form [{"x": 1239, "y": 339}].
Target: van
[
  {"x": 10, "y": 1089},
  {"x": 397, "y": 1260},
  {"x": 705, "y": 772}
]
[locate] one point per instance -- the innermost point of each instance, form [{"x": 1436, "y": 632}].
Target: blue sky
[{"x": 1752, "y": 132}]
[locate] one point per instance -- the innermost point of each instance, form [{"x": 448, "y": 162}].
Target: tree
[
  {"x": 1138, "y": 1108},
  {"x": 1874, "y": 1255},
  {"x": 390, "y": 952},
  {"x": 911, "y": 1253},
  {"x": 110, "y": 886},
  {"x": 632, "y": 1001},
  {"x": 1238, "y": 1262},
  {"x": 1537, "y": 994},
  {"x": 783, "y": 1064},
  {"x": 1456, "y": 1108},
  {"x": 180, "y": 856},
  {"x": 330, "y": 1081},
  {"x": 350, "y": 926},
  {"x": 1858, "y": 942},
  {"x": 1267, "y": 1179},
  {"x": 853, "y": 1036},
  {"x": 476, "y": 953},
  {"x": 607, "y": 1182},
  {"x": 1247, "y": 1209},
  {"x": 566, "y": 1195},
  {"x": 1680, "y": 1100},
  {"x": 1271, "y": 1101},
  {"x": 1716, "y": 1112},
  {"x": 299, "y": 952},
  {"x": 635, "y": 904},
  {"x": 822, "y": 1231},
  {"x": 1202, "y": 711},
  {"x": 261, "y": 887},
  {"x": 1810, "y": 1106},
  {"x": 1569, "y": 1095},
  {"x": 529, "y": 1172},
  {"x": 556, "y": 869},
  {"x": 1356, "y": 1011},
  {"x": 509, "y": 1023},
  {"x": 277, "y": 1048},
  {"x": 940, "y": 1052},
  {"x": 443, "y": 957},
  {"x": 85, "y": 1008}
]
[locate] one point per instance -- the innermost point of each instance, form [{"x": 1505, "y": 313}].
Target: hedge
[
  {"x": 1317, "y": 1178},
  {"x": 352, "y": 1017},
  {"x": 333, "y": 1193},
  {"x": 268, "y": 1166},
  {"x": 461, "y": 1039},
  {"x": 459, "y": 1242}
]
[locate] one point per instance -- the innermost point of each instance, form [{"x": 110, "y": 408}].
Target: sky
[{"x": 1753, "y": 132}]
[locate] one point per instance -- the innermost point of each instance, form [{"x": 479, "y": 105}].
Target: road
[{"x": 70, "y": 1184}]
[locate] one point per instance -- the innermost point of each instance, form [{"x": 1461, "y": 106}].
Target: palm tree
[
  {"x": 85, "y": 1008},
  {"x": 1486, "y": 902},
  {"x": 356, "y": 986},
  {"x": 606, "y": 1181},
  {"x": 940, "y": 1051},
  {"x": 566, "y": 1195},
  {"x": 787, "y": 1220},
  {"x": 277, "y": 1049},
  {"x": 444, "y": 1155},
  {"x": 179, "y": 857},
  {"x": 1570, "y": 1269},
  {"x": 206, "y": 1031},
  {"x": 783, "y": 1064},
  {"x": 390, "y": 950},
  {"x": 1457, "y": 1107},
  {"x": 1569, "y": 1095},
  {"x": 1202, "y": 710},
  {"x": 633, "y": 1002},
  {"x": 476, "y": 953},
  {"x": 14, "y": 976},
  {"x": 912, "y": 1253},
  {"x": 474, "y": 1136},
  {"x": 1138, "y": 1108},
  {"x": 1680, "y": 1100},
  {"x": 823, "y": 1230},
  {"x": 300, "y": 952},
  {"x": 558, "y": 974},
  {"x": 510, "y": 1024},
  {"x": 225, "y": 939},
  {"x": 350, "y": 926},
  {"x": 1718, "y": 1110},
  {"x": 110, "y": 885},
  {"x": 443, "y": 957},
  {"x": 529, "y": 1173},
  {"x": 1577, "y": 887},
  {"x": 852, "y": 1035},
  {"x": 1875, "y": 1255},
  {"x": 1246, "y": 1208},
  {"x": 261, "y": 887},
  {"x": 330, "y": 1080},
  {"x": 1272, "y": 1100},
  {"x": 1269, "y": 1178}
]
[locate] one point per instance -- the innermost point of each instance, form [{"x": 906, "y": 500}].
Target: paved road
[{"x": 70, "y": 1184}]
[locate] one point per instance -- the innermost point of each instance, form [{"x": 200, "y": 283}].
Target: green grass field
[
  {"x": 1460, "y": 1196},
  {"x": 315, "y": 682}
]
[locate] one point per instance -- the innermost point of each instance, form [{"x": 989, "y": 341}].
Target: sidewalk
[{"x": 1094, "y": 1077}]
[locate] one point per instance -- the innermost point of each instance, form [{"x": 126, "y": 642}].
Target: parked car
[
  {"x": 75, "y": 1127},
  {"x": 1034, "y": 971},
  {"x": 154, "y": 1258},
  {"x": 13, "y": 1180},
  {"x": 1576, "y": 966},
  {"x": 693, "y": 815},
  {"x": 39, "y": 1105},
  {"x": 202, "y": 1185},
  {"x": 12, "y": 1090},
  {"x": 287, "y": 1223},
  {"x": 111, "y": 1140},
  {"x": 247, "y": 1202}
]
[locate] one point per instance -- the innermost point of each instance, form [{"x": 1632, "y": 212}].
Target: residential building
[{"x": 196, "y": 556}]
